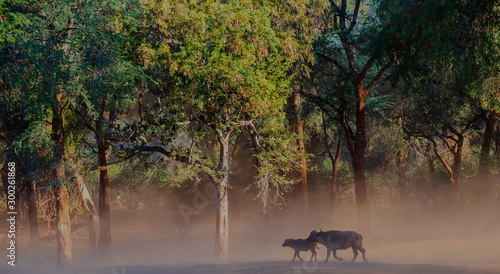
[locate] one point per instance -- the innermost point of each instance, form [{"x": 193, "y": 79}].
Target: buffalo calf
[{"x": 302, "y": 245}]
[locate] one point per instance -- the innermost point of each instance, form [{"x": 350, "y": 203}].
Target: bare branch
[
  {"x": 379, "y": 75},
  {"x": 333, "y": 61},
  {"x": 366, "y": 68},
  {"x": 441, "y": 158},
  {"x": 354, "y": 16},
  {"x": 349, "y": 54},
  {"x": 183, "y": 159},
  {"x": 343, "y": 11}
]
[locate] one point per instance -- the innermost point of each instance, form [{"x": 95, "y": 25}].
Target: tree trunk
[
  {"x": 104, "y": 243},
  {"x": 484, "y": 160},
  {"x": 334, "y": 190},
  {"x": 401, "y": 162},
  {"x": 304, "y": 193},
  {"x": 5, "y": 179},
  {"x": 358, "y": 162},
  {"x": 457, "y": 166},
  {"x": 88, "y": 205},
  {"x": 453, "y": 170},
  {"x": 497, "y": 144},
  {"x": 64, "y": 244},
  {"x": 222, "y": 205},
  {"x": 32, "y": 216}
]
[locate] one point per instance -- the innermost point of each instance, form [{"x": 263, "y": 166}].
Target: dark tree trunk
[
  {"x": 298, "y": 123},
  {"x": 334, "y": 189},
  {"x": 5, "y": 181},
  {"x": 484, "y": 160},
  {"x": 453, "y": 170},
  {"x": 457, "y": 165},
  {"x": 32, "y": 216},
  {"x": 358, "y": 162},
  {"x": 497, "y": 144},
  {"x": 104, "y": 243},
  {"x": 64, "y": 243},
  {"x": 402, "y": 161}
]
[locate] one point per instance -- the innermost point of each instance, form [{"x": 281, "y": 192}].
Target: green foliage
[
  {"x": 101, "y": 39},
  {"x": 172, "y": 71},
  {"x": 227, "y": 56},
  {"x": 12, "y": 19},
  {"x": 442, "y": 33}
]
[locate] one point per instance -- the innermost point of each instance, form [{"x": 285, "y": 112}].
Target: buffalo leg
[
  {"x": 335, "y": 256},
  {"x": 298, "y": 255},
  {"x": 314, "y": 254},
  {"x": 363, "y": 252},
  {"x": 328, "y": 251},
  {"x": 355, "y": 251}
]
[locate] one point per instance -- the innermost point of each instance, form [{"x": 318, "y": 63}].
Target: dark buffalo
[
  {"x": 302, "y": 245},
  {"x": 334, "y": 240}
]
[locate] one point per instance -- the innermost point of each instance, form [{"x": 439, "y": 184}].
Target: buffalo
[
  {"x": 302, "y": 245},
  {"x": 334, "y": 240}
]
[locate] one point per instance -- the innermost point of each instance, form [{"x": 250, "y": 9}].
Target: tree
[
  {"x": 359, "y": 64},
  {"x": 44, "y": 78},
  {"x": 447, "y": 124},
  {"x": 109, "y": 82},
  {"x": 48, "y": 56},
  {"x": 430, "y": 36},
  {"x": 230, "y": 66},
  {"x": 296, "y": 105}
]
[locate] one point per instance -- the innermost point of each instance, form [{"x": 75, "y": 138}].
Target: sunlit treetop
[{"x": 231, "y": 57}]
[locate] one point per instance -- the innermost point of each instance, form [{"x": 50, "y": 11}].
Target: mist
[{"x": 433, "y": 239}]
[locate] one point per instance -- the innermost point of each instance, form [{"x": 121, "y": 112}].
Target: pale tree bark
[
  {"x": 64, "y": 242},
  {"x": 90, "y": 208},
  {"x": 264, "y": 183},
  {"x": 220, "y": 180},
  {"x": 222, "y": 204}
]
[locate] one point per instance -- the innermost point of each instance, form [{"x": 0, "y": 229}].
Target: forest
[{"x": 214, "y": 121}]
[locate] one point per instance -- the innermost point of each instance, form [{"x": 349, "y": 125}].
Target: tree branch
[
  {"x": 366, "y": 68},
  {"x": 354, "y": 16},
  {"x": 349, "y": 54},
  {"x": 441, "y": 158},
  {"x": 333, "y": 61},
  {"x": 183, "y": 159},
  {"x": 380, "y": 73},
  {"x": 321, "y": 103},
  {"x": 343, "y": 12}
]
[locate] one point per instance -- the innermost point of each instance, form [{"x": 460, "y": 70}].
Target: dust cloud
[{"x": 430, "y": 239}]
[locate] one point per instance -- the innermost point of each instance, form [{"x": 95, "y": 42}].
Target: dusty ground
[{"x": 403, "y": 241}]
